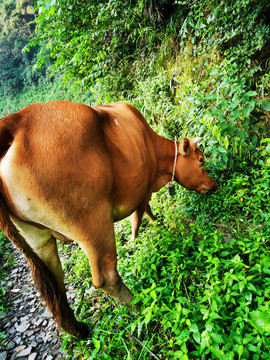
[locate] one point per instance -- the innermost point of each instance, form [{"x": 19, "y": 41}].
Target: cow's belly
[
  {"x": 130, "y": 191},
  {"x": 133, "y": 176}
]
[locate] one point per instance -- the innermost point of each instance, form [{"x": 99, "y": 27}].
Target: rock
[
  {"x": 33, "y": 344},
  {"x": 45, "y": 322},
  {"x": 11, "y": 330},
  {"x": 32, "y": 356},
  {"x": 46, "y": 314},
  {"x": 18, "y": 340},
  {"x": 22, "y": 327},
  {"x": 3, "y": 355},
  {"x": 38, "y": 322},
  {"x": 20, "y": 348},
  {"x": 28, "y": 326},
  {"x": 40, "y": 341},
  {"x": 25, "y": 352},
  {"x": 10, "y": 345},
  {"x": 30, "y": 333}
]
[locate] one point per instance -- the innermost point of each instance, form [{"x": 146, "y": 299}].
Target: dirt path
[{"x": 29, "y": 331}]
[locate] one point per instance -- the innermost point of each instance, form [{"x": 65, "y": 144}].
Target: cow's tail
[{"x": 43, "y": 278}]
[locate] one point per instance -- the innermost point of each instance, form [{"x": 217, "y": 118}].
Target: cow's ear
[{"x": 184, "y": 147}]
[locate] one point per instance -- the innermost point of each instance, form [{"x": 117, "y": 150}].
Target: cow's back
[
  {"x": 57, "y": 158},
  {"x": 66, "y": 157}
]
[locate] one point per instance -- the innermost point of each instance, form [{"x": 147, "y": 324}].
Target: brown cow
[{"x": 68, "y": 171}]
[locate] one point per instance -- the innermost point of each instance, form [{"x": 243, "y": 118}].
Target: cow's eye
[{"x": 201, "y": 159}]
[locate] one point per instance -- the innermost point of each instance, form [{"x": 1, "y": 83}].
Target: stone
[
  {"x": 32, "y": 356},
  {"x": 25, "y": 352},
  {"x": 27, "y": 337},
  {"x": 22, "y": 327},
  {"x": 38, "y": 322},
  {"x": 11, "y": 330},
  {"x": 20, "y": 348},
  {"x": 3, "y": 355},
  {"x": 10, "y": 345},
  {"x": 18, "y": 340},
  {"x": 33, "y": 344},
  {"x": 46, "y": 314}
]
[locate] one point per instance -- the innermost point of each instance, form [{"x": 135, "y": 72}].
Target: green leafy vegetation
[
  {"x": 6, "y": 262},
  {"x": 200, "y": 68},
  {"x": 201, "y": 279},
  {"x": 16, "y": 66}
]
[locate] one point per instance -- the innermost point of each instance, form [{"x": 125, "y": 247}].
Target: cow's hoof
[
  {"x": 83, "y": 331},
  {"x": 79, "y": 331}
]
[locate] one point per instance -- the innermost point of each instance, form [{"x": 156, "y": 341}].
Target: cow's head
[{"x": 189, "y": 170}]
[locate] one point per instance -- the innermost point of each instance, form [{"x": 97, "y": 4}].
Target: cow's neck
[{"x": 165, "y": 154}]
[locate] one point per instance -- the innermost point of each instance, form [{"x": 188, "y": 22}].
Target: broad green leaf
[
  {"x": 217, "y": 338},
  {"x": 194, "y": 328},
  {"x": 261, "y": 320},
  {"x": 241, "y": 134},
  {"x": 224, "y": 157},
  {"x": 148, "y": 316},
  {"x": 240, "y": 351},
  {"x": 246, "y": 122},
  {"x": 197, "y": 337},
  {"x": 183, "y": 337},
  {"x": 251, "y": 93},
  {"x": 254, "y": 139},
  {"x": 222, "y": 150},
  {"x": 226, "y": 142},
  {"x": 211, "y": 97},
  {"x": 266, "y": 106},
  {"x": 215, "y": 131},
  {"x": 247, "y": 110}
]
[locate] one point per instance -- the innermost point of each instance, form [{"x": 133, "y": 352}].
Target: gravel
[{"x": 30, "y": 332}]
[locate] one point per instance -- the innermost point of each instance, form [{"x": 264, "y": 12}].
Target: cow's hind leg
[
  {"x": 44, "y": 245},
  {"x": 136, "y": 217}
]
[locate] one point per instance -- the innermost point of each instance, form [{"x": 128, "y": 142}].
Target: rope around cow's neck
[
  {"x": 175, "y": 160},
  {"x": 171, "y": 188}
]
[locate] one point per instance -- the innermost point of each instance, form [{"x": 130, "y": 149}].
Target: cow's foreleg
[
  {"x": 136, "y": 217},
  {"x": 53, "y": 289},
  {"x": 149, "y": 213}
]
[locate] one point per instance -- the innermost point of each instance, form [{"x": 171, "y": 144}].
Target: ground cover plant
[
  {"x": 6, "y": 262},
  {"x": 201, "y": 277}
]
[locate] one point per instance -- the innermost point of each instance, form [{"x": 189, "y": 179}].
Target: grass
[
  {"x": 6, "y": 262},
  {"x": 200, "y": 276}
]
